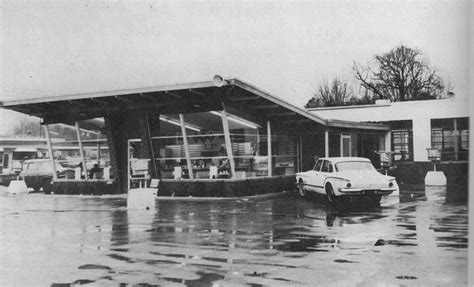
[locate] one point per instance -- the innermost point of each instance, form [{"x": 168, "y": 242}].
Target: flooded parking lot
[{"x": 419, "y": 238}]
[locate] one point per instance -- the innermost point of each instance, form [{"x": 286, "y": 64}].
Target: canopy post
[
  {"x": 98, "y": 148},
  {"x": 50, "y": 150},
  {"x": 257, "y": 152},
  {"x": 186, "y": 147},
  {"x": 228, "y": 143},
  {"x": 456, "y": 140},
  {"x": 269, "y": 149},
  {"x": 148, "y": 141},
  {"x": 81, "y": 150},
  {"x": 326, "y": 143},
  {"x": 299, "y": 153}
]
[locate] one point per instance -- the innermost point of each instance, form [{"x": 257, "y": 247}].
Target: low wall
[
  {"x": 89, "y": 187},
  {"x": 226, "y": 187},
  {"x": 6, "y": 178},
  {"x": 415, "y": 172},
  {"x": 186, "y": 187}
]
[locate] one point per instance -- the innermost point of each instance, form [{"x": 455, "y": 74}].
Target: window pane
[{"x": 317, "y": 167}]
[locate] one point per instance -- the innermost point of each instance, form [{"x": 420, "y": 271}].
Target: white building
[{"x": 415, "y": 126}]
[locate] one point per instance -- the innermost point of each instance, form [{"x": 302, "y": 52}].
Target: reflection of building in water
[{"x": 120, "y": 227}]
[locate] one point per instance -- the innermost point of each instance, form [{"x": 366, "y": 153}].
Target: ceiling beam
[
  {"x": 243, "y": 98},
  {"x": 173, "y": 94},
  {"x": 100, "y": 101},
  {"x": 77, "y": 103},
  {"x": 282, "y": 114},
  {"x": 174, "y": 105},
  {"x": 238, "y": 112},
  {"x": 197, "y": 93},
  {"x": 149, "y": 98},
  {"x": 264, "y": 106},
  {"x": 123, "y": 99},
  {"x": 299, "y": 121}
]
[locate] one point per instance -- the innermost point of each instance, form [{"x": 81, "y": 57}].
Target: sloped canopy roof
[{"x": 239, "y": 98}]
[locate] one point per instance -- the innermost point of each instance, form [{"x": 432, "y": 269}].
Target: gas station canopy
[{"x": 242, "y": 100}]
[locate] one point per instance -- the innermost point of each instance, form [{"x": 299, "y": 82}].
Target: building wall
[{"x": 420, "y": 112}]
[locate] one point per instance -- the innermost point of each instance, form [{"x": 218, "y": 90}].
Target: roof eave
[
  {"x": 263, "y": 94},
  {"x": 71, "y": 97},
  {"x": 357, "y": 125}
]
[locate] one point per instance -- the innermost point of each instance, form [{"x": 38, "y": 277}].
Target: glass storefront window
[
  {"x": 249, "y": 151},
  {"x": 208, "y": 150},
  {"x": 451, "y": 137},
  {"x": 401, "y": 145}
]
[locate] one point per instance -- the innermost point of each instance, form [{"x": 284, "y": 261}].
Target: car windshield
[{"x": 354, "y": 165}]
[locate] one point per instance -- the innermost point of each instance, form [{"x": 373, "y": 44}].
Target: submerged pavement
[{"x": 419, "y": 238}]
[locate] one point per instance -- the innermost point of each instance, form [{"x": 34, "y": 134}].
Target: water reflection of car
[
  {"x": 38, "y": 173},
  {"x": 338, "y": 177}
]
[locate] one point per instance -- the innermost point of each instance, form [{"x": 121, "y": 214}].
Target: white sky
[{"x": 286, "y": 48}]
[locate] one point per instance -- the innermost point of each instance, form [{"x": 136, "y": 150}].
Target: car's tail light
[
  {"x": 390, "y": 184},
  {"x": 348, "y": 185}
]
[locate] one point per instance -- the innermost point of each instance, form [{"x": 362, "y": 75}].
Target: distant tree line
[
  {"x": 31, "y": 127},
  {"x": 402, "y": 74}
]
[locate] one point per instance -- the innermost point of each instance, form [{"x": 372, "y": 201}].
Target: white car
[{"x": 337, "y": 177}]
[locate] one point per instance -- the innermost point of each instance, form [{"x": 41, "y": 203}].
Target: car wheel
[
  {"x": 301, "y": 189},
  {"x": 36, "y": 188},
  {"x": 46, "y": 184},
  {"x": 330, "y": 193}
]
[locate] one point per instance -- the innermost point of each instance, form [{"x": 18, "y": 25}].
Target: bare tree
[
  {"x": 335, "y": 93},
  {"x": 402, "y": 74},
  {"x": 27, "y": 127}
]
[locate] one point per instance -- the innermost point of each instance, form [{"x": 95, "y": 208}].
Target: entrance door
[
  {"x": 346, "y": 145},
  {"x": 334, "y": 144}
]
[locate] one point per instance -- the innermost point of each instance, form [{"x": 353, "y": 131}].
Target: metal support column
[
  {"x": 257, "y": 152},
  {"x": 228, "y": 143},
  {"x": 98, "y": 148},
  {"x": 341, "y": 148},
  {"x": 50, "y": 150},
  {"x": 186, "y": 147},
  {"x": 269, "y": 149},
  {"x": 149, "y": 142},
  {"x": 456, "y": 140},
  {"x": 81, "y": 150},
  {"x": 300, "y": 154},
  {"x": 326, "y": 143}
]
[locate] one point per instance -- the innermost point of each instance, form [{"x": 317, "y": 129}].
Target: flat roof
[
  {"x": 239, "y": 97},
  {"x": 397, "y": 111}
]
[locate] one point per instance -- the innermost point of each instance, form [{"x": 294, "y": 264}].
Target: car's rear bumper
[{"x": 367, "y": 191}]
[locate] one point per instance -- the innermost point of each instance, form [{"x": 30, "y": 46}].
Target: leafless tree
[
  {"x": 401, "y": 74},
  {"x": 27, "y": 127},
  {"x": 328, "y": 94}
]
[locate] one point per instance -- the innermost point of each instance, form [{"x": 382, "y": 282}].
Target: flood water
[{"x": 419, "y": 238}]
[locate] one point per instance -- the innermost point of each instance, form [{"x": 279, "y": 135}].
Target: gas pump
[
  {"x": 434, "y": 178},
  {"x": 386, "y": 160},
  {"x": 142, "y": 191}
]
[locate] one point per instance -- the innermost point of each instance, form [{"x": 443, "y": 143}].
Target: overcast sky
[{"x": 286, "y": 48}]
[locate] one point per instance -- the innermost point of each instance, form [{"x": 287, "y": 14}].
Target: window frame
[
  {"x": 319, "y": 161},
  {"x": 404, "y": 146}
]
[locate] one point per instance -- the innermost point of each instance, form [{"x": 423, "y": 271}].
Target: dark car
[{"x": 38, "y": 173}]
